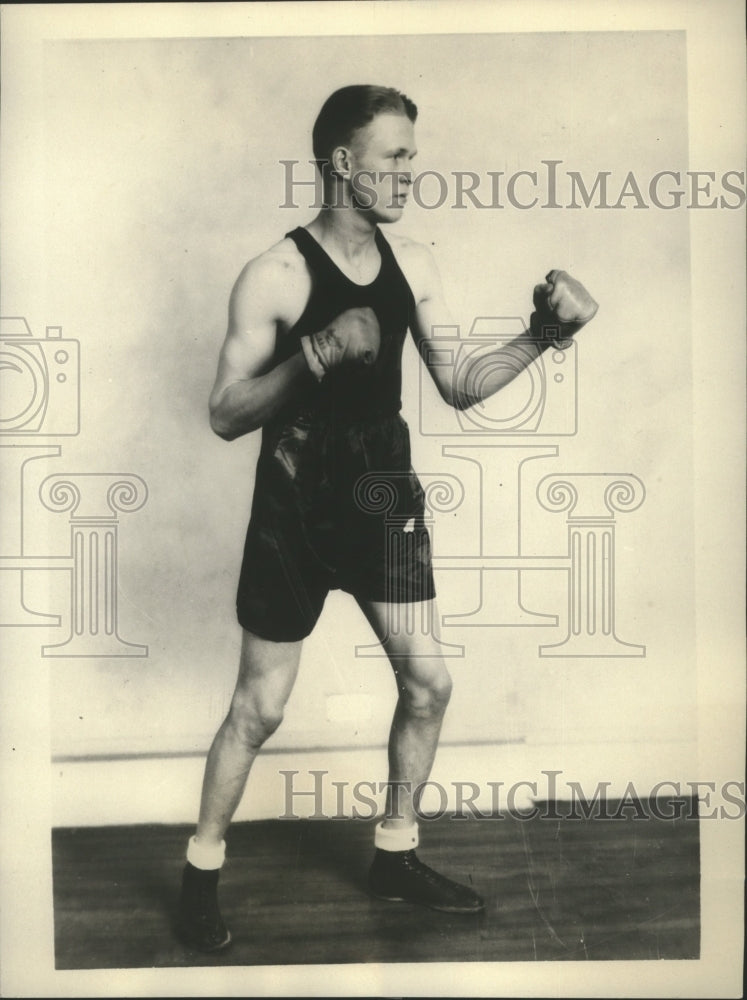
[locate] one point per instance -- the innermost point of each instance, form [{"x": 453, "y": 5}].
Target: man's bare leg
[
  {"x": 424, "y": 686},
  {"x": 267, "y": 672}
]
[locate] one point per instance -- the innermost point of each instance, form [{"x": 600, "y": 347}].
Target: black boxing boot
[
  {"x": 400, "y": 876},
  {"x": 200, "y": 924}
]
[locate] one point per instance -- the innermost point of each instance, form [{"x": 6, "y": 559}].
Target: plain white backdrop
[
  {"x": 163, "y": 176},
  {"x": 145, "y": 172}
]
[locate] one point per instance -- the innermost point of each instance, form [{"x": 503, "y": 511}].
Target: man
[{"x": 312, "y": 356}]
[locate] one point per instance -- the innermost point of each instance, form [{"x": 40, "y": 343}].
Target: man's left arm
[{"x": 561, "y": 307}]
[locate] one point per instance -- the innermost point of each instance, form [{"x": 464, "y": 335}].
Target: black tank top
[{"x": 350, "y": 391}]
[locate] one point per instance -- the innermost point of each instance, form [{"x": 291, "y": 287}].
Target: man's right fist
[
  {"x": 353, "y": 337},
  {"x": 561, "y": 303}
]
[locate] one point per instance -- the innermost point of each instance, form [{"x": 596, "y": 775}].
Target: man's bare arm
[
  {"x": 560, "y": 302},
  {"x": 270, "y": 294},
  {"x": 248, "y": 391}
]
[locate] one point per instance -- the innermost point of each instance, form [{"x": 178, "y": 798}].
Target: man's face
[{"x": 381, "y": 155}]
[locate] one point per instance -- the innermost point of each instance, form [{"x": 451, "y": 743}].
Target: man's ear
[{"x": 340, "y": 161}]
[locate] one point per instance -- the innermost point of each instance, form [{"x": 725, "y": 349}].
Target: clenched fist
[
  {"x": 562, "y": 304},
  {"x": 353, "y": 337}
]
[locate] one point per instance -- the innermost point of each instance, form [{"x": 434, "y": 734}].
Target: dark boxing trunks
[{"x": 334, "y": 507}]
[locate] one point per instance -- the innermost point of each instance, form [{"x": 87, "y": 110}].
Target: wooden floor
[{"x": 294, "y": 892}]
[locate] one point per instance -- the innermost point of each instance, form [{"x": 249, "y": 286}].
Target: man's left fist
[{"x": 562, "y": 301}]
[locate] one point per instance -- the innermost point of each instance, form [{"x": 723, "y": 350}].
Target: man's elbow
[
  {"x": 456, "y": 398},
  {"x": 461, "y": 402},
  {"x": 223, "y": 432},
  {"x": 220, "y": 426}
]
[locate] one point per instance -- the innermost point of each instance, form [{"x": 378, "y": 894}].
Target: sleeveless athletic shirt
[{"x": 351, "y": 392}]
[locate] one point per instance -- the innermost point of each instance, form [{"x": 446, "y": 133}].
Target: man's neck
[{"x": 348, "y": 233}]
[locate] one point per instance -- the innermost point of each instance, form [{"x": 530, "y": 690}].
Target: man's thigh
[
  {"x": 267, "y": 669},
  {"x": 407, "y": 632}
]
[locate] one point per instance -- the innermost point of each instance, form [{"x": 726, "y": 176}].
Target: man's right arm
[{"x": 248, "y": 390}]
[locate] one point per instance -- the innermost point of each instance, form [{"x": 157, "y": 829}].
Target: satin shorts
[{"x": 336, "y": 505}]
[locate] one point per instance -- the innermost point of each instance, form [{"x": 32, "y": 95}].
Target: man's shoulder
[
  {"x": 277, "y": 275},
  {"x": 416, "y": 260},
  {"x": 281, "y": 261},
  {"x": 406, "y": 246}
]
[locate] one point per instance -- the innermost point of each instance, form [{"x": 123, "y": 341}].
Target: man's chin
[
  {"x": 381, "y": 214},
  {"x": 392, "y": 213}
]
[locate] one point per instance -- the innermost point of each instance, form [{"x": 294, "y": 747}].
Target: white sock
[
  {"x": 388, "y": 838},
  {"x": 205, "y": 856}
]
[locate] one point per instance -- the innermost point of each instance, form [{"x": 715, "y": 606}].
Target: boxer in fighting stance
[{"x": 312, "y": 356}]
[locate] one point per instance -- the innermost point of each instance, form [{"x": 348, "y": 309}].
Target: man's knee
[
  {"x": 427, "y": 696},
  {"x": 267, "y": 672},
  {"x": 440, "y": 689},
  {"x": 254, "y": 719}
]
